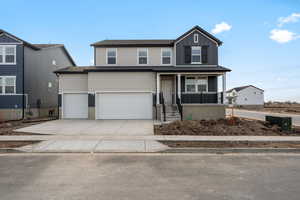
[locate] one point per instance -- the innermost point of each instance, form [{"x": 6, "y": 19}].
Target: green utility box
[{"x": 284, "y": 122}]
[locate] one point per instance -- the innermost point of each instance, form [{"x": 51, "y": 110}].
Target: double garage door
[{"x": 110, "y": 105}]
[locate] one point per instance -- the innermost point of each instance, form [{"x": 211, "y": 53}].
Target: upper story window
[
  {"x": 7, "y": 54},
  {"x": 7, "y": 84},
  {"x": 166, "y": 56},
  {"x": 142, "y": 56},
  {"x": 196, "y": 38},
  {"x": 196, "y": 54},
  {"x": 194, "y": 84},
  {"x": 111, "y": 56}
]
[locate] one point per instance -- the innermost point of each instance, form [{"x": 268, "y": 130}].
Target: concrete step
[{"x": 172, "y": 114}]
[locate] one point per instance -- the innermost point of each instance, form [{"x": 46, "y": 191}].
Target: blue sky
[{"x": 255, "y": 58}]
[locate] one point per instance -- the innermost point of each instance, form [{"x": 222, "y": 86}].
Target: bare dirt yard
[
  {"x": 8, "y": 128},
  {"x": 223, "y": 127}
]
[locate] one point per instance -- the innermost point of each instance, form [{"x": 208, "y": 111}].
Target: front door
[{"x": 167, "y": 89}]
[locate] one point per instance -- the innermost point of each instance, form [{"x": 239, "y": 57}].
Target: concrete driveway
[{"x": 92, "y": 127}]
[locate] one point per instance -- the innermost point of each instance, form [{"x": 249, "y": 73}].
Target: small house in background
[{"x": 246, "y": 96}]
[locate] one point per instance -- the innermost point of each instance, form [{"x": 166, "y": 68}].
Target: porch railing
[
  {"x": 162, "y": 101},
  {"x": 200, "y": 98},
  {"x": 220, "y": 98}
]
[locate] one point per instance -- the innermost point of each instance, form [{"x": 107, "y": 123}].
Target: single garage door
[
  {"x": 124, "y": 105},
  {"x": 75, "y": 106}
]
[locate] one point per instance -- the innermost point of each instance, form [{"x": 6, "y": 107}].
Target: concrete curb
[
  {"x": 232, "y": 150},
  {"x": 158, "y": 138},
  {"x": 172, "y": 150}
]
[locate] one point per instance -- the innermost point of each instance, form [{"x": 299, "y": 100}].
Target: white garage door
[
  {"x": 75, "y": 106},
  {"x": 131, "y": 105}
]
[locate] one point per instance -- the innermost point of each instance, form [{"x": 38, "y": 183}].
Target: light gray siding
[
  {"x": 39, "y": 75},
  {"x": 121, "y": 81},
  {"x": 73, "y": 83},
  {"x": 127, "y": 56},
  {"x": 203, "y": 41}
]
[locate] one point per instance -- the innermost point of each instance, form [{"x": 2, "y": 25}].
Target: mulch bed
[
  {"x": 203, "y": 144},
  {"x": 223, "y": 127},
  {"x": 15, "y": 144}
]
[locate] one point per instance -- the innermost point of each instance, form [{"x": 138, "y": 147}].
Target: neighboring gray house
[
  {"x": 28, "y": 87},
  {"x": 147, "y": 79}
]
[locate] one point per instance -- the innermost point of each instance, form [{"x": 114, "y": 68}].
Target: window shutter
[
  {"x": 187, "y": 54},
  {"x": 204, "y": 54}
]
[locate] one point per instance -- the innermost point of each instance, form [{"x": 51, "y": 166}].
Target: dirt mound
[{"x": 220, "y": 127}]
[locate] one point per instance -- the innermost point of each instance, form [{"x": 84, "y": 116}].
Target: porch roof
[{"x": 159, "y": 69}]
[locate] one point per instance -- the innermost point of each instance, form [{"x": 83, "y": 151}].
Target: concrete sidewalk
[
  {"x": 152, "y": 137},
  {"x": 94, "y": 146}
]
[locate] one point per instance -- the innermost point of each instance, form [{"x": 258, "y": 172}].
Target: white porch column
[
  {"x": 224, "y": 87},
  {"x": 157, "y": 88},
  {"x": 179, "y": 85}
]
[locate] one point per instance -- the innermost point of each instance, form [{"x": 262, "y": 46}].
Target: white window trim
[
  {"x": 196, "y": 38},
  {"x": 196, "y": 85},
  {"x": 139, "y": 49},
  {"x": 3, "y": 85},
  {"x": 197, "y": 54},
  {"x": 109, "y": 49},
  {"x": 161, "y": 55},
  {"x": 4, "y": 53}
]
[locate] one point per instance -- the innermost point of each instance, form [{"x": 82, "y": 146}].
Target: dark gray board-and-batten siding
[
  {"x": 211, "y": 50},
  {"x": 13, "y": 101}
]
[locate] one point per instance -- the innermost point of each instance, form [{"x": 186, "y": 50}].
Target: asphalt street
[{"x": 151, "y": 176}]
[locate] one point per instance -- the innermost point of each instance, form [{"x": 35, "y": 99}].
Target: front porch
[
  {"x": 195, "y": 95},
  {"x": 190, "y": 88}
]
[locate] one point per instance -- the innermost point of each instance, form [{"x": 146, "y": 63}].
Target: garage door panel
[
  {"x": 124, "y": 106},
  {"x": 75, "y": 106}
]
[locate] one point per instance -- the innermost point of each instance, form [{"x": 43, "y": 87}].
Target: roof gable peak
[{"x": 203, "y": 32}]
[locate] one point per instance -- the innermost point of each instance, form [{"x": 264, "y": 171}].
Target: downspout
[
  {"x": 57, "y": 96},
  {"x": 23, "y": 94}
]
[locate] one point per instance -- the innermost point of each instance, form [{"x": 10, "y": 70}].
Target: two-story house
[
  {"x": 28, "y": 86},
  {"x": 147, "y": 79},
  {"x": 247, "y": 96}
]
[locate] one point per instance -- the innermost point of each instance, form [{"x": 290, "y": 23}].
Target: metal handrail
[
  {"x": 179, "y": 106},
  {"x": 162, "y": 101}
]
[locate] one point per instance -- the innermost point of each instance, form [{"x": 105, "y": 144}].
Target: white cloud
[
  {"x": 293, "y": 18},
  {"x": 223, "y": 26},
  {"x": 283, "y": 36}
]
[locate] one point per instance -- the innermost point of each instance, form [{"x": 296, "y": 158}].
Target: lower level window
[
  {"x": 7, "y": 84},
  {"x": 195, "y": 84}
]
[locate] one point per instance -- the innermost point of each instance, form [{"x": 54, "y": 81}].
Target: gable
[
  {"x": 202, "y": 39},
  {"x": 201, "y": 32},
  {"x": 4, "y": 38},
  {"x": 209, "y": 49}
]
